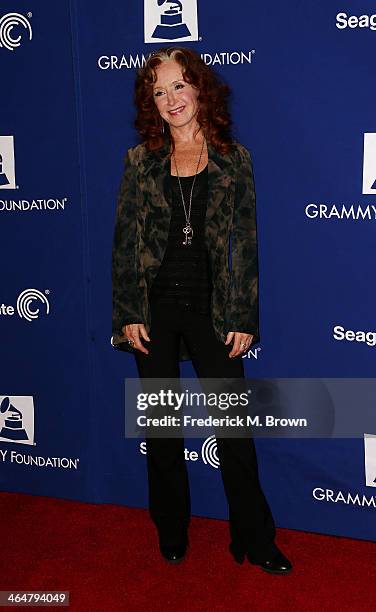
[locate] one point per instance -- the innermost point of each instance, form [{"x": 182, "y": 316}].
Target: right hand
[{"x": 134, "y": 331}]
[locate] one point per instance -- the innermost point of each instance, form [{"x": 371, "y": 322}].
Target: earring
[{"x": 162, "y": 129}]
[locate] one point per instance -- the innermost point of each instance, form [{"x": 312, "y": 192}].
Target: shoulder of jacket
[
  {"x": 242, "y": 153},
  {"x": 137, "y": 153}
]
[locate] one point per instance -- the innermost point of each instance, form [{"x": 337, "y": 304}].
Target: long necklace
[{"x": 187, "y": 229}]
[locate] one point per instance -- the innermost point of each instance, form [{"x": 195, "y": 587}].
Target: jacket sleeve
[
  {"x": 243, "y": 306},
  {"x": 125, "y": 299}
]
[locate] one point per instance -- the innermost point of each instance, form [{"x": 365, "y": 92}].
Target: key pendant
[{"x": 188, "y": 231}]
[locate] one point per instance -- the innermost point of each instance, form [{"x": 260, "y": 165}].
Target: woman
[{"x": 186, "y": 192}]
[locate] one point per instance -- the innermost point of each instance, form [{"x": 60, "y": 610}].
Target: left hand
[{"x": 239, "y": 337}]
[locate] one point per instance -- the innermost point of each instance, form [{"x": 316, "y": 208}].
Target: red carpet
[{"x": 108, "y": 558}]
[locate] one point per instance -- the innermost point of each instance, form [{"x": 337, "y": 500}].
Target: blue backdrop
[{"x": 303, "y": 90}]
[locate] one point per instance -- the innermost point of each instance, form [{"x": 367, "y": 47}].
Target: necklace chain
[{"x": 187, "y": 229}]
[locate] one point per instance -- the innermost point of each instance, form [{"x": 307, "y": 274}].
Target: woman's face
[{"x": 175, "y": 99}]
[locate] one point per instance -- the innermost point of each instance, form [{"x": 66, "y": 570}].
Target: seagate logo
[
  {"x": 367, "y": 337},
  {"x": 28, "y": 306},
  {"x": 209, "y": 452},
  {"x": 10, "y": 39},
  {"x": 344, "y": 21}
]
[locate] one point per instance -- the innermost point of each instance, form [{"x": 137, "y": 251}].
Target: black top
[{"x": 184, "y": 276}]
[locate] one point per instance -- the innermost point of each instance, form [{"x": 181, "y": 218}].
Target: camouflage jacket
[{"x": 141, "y": 234}]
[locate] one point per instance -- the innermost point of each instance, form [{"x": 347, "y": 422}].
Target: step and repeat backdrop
[{"x": 303, "y": 91}]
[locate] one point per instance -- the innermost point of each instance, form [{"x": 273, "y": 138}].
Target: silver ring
[{"x": 131, "y": 342}]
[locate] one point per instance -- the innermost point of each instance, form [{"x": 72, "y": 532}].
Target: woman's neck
[{"x": 187, "y": 136}]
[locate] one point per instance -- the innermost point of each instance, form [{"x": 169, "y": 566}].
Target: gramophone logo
[
  {"x": 173, "y": 21},
  {"x": 17, "y": 419},
  {"x": 13, "y": 27},
  {"x": 369, "y": 164},
  {"x": 370, "y": 459},
  {"x": 7, "y": 168}
]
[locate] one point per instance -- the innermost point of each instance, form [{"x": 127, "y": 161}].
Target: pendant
[{"x": 188, "y": 231}]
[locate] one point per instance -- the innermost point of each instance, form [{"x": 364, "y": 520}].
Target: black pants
[{"x": 251, "y": 523}]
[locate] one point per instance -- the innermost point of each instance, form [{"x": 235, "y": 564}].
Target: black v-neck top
[{"x": 184, "y": 277}]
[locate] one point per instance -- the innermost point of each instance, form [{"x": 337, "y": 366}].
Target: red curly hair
[{"x": 213, "y": 116}]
